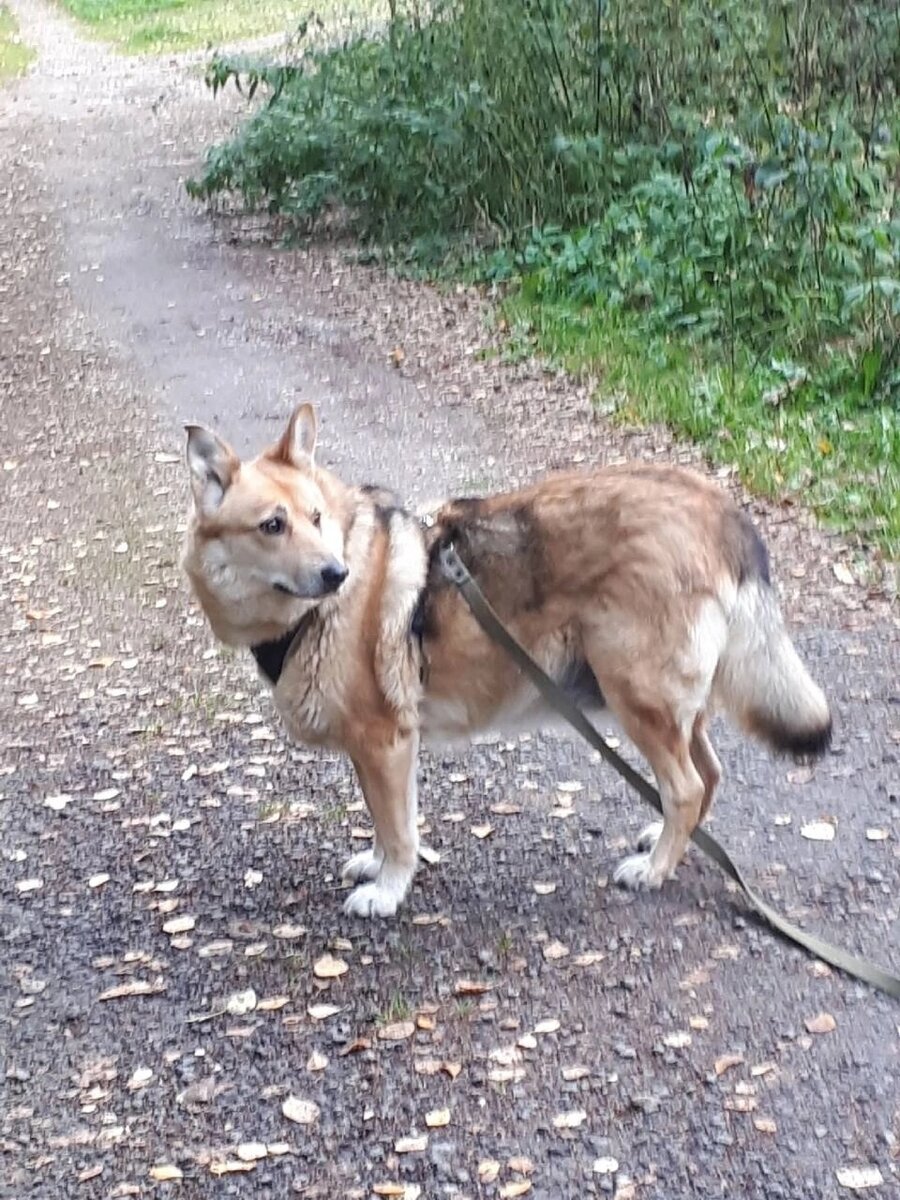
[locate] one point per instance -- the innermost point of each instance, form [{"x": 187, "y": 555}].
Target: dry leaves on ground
[
  {"x": 302, "y": 1112},
  {"x": 857, "y": 1179}
]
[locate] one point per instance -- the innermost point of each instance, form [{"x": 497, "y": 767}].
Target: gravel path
[{"x": 166, "y": 871}]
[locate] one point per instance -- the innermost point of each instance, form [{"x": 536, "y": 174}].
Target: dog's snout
[{"x": 333, "y": 575}]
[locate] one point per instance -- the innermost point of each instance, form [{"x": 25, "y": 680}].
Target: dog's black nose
[{"x": 333, "y": 576}]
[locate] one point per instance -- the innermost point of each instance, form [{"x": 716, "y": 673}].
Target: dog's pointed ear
[
  {"x": 213, "y": 466},
  {"x": 298, "y": 442}
]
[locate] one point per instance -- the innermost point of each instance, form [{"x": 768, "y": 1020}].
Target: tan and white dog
[{"x": 643, "y": 589}]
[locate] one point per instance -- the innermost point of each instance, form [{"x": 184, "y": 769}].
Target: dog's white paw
[
  {"x": 649, "y": 836},
  {"x": 362, "y": 866},
  {"x": 382, "y": 897},
  {"x": 636, "y": 873}
]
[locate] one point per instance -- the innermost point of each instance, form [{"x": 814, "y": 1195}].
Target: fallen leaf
[
  {"x": 57, "y": 803},
  {"x": 230, "y": 1166},
  {"x": 29, "y": 885},
  {"x": 437, "y": 1118},
  {"x": 555, "y": 950},
  {"x": 842, "y": 573},
  {"x": 570, "y": 1074},
  {"x": 764, "y": 1068},
  {"x": 548, "y": 1025},
  {"x": 239, "y": 1004},
  {"x": 180, "y": 924},
  {"x": 859, "y": 1178},
  {"x": 818, "y": 831},
  {"x": 397, "y": 1031},
  {"x": 589, "y": 958},
  {"x": 471, "y": 987},
  {"x": 570, "y": 1120},
  {"x": 518, "y": 1187},
  {"x": 521, "y": 1165},
  {"x": 822, "y": 1022},
  {"x": 544, "y": 889},
  {"x": 506, "y": 809},
  {"x": 570, "y": 787},
  {"x": 316, "y": 1061},
  {"x": 488, "y": 1170},
  {"x": 251, "y": 1151},
  {"x": 506, "y": 1074},
  {"x": 329, "y": 967},
  {"x": 800, "y": 776},
  {"x": 165, "y": 1173},
  {"x": 742, "y": 1104},
  {"x": 527, "y": 1041},
  {"x": 134, "y": 987},
  {"x": 677, "y": 1040},
  {"x": 98, "y": 880},
  {"x": 411, "y": 1145},
  {"x": 140, "y": 1077},
  {"x": 605, "y": 1166},
  {"x": 272, "y": 1003},
  {"x": 727, "y": 1061},
  {"x": 699, "y": 1023},
  {"x": 482, "y": 831},
  {"x": 765, "y": 1125},
  {"x": 303, "y": 1112},
  {"x": 876, "y": 835},
  {"x": 354, "y": 1047},
  {"x": 288, "y": 932},
  {"x": 505, "y": 1056},
  {"x": 321, "y": 1012}
]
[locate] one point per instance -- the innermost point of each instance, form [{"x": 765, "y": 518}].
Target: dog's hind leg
[
  {"x": 707, "y": 763},
  {"x": 709, "y": 769},
  {"x": 387, "y": 775},
  {"x": 681, "y": 791}
]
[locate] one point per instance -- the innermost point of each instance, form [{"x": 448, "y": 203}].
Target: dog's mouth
[{"x": 288, "y": 591}]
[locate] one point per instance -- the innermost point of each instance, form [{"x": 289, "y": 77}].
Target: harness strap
[{"x": 455, "y": 571}]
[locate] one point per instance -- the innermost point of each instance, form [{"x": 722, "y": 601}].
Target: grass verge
[
  {"x": 14, "y": 54},
  {"x": 159, "y": 26},
  {"x": 812, "y": 437}
]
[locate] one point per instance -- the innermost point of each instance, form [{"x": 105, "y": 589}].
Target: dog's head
[{"x": 264, "y": 542}]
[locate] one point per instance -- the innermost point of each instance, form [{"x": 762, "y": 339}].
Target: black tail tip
[{"x": 801, "y": 743}]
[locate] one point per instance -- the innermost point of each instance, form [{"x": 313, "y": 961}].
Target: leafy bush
[{"x": 721, "y": 173}]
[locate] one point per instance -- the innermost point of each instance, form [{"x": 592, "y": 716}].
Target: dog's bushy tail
[{"x": 761, "y": 681}]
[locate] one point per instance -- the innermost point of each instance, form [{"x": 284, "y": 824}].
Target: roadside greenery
[
  {"x": 14, "y": 54},
  {"x": 696, "y": 202},
  {"x": 156, "y": 26}
]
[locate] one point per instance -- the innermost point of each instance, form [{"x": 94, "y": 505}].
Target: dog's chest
[{"x": 310, "y": 695}]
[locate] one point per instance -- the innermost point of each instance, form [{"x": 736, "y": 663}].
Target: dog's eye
[
  {"x": 316, "y": 518},
  {"x": 272, "y": 525}
]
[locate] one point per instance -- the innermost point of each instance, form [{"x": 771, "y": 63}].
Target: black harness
[{"x": 271, "y": 656}]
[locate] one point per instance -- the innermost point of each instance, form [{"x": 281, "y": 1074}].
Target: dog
[{"x": 642, "y": 589}]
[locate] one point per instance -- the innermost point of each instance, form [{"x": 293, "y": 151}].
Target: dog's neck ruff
[{"x": 272, "y": 656}]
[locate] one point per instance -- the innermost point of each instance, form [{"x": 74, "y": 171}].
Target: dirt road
[{"x": 167, "y": 867}]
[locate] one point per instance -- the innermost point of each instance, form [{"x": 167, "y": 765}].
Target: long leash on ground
[{"x": 458, "y": 574}]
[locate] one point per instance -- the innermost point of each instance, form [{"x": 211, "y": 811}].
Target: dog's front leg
[{"x": 387, "y": 775}]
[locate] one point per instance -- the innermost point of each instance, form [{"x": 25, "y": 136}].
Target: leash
[{"x": 457, "y": 573}]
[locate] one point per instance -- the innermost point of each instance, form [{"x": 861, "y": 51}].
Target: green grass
[
  {"x": 14, "y": 54},
  {"x": 818, "y": 441},
  {"x": 158, "y": 26}
]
